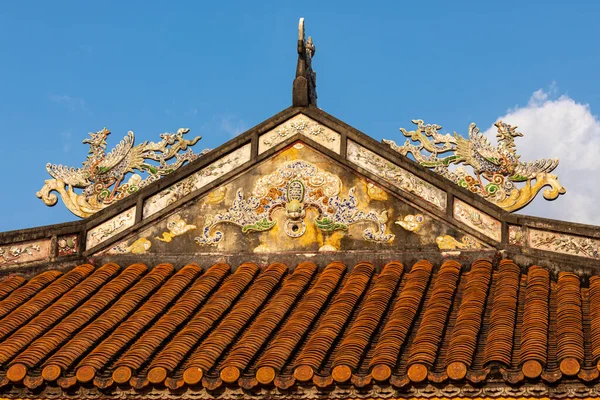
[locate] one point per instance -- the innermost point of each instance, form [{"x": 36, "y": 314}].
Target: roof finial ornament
[
  {"x": 304, "y": 91},
  {"x": 499, "y": 166},
  {"x": 103, "y": 174}
]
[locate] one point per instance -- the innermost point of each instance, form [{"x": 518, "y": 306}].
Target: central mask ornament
[
  {"x": 294, "y": 209},
  {"x": 296, "y": 187}
]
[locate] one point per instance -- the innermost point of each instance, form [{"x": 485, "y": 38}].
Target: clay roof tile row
[{"x": 271, "y": 326}]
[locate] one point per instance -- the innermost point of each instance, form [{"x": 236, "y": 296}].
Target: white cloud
[
  {"x": 70, "y": 103},
  {"x": 67, "y": 141},
  {"x": 559, "y": 127},
  {"x": 232, "y": 126}
]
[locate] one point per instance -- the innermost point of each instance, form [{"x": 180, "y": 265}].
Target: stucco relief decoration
[
  {"x": 138, "y": 246},
  {"x": 108, "y": 229},
  {"x": 447, "y": 242},
  {"x": 109, "y": 177},
  {"x": 411, "y": 223},
  {"x": 67, "y": 245},
  {"x": 197, "y": 180},
  {"x": 477, "y": 220},
  {"x": 301, "y": 125},
  {"x": 176, "y": 227},
  {"x": 517, "y": 235},
  {"x": 395, "y": 175},
  {"x": 295, "y": 187},
  {"x": 24, "y": 252},
  {"x": 566, "y": 244},
  {"x": 497, "y": 170}
]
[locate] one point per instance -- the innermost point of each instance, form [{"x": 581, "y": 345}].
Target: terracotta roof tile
[
  {"x": 10, "y": 284},
  {"x": 25, "y": 292},
  {"x": 300, "y": 321},
  {"x": 172, "y": 355},
  {"x": 463, "y": 341},
  {"x": 595, "y": 317},
  {"x": 534, "y": 341},
  {"x": 569, "y": 334},
  {"x": 266, "y": 322},
  {"x": 142, "y": 350},
  {"x": 42, "y": 300},
  {"x": 92, "y": 333},
  {"x": 321, "y": 341},
  {"x": 423, "y": 352},
  {"x": 209, "y": 351},
  {"x": 397, "y": 328},
  {"x": 72, "y": 322},
  {"x": 504, "y": 311},
  {"x": 253, "y": 327},
  {"x": 352, "y": 348},
  {"x": 127, "y": 331}
]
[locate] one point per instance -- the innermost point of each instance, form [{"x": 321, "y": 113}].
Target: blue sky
[{"x": 219, "y": 68}]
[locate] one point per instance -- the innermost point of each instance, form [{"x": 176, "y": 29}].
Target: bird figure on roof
[
  {"x": 498, "y": 164},
  {"x": 99, "y": 167},
  {"x": 487, "y": 160},
  {"x": 102, "y": 174}
]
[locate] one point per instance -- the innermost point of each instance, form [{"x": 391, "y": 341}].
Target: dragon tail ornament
[
  {"x": 497, "y": 174},
  {"x": 103, "y": 175}
]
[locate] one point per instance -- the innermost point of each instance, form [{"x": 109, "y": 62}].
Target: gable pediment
[
  {"x": 454, "y": 219},
  {"x": 297, "y": 200}
]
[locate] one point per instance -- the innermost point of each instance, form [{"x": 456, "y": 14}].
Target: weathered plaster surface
[
  {"x": 477, "y": 220},
  {"x": 197, "y": 180},
  {"x": 299, "y": 200},
  {"x": 395, "y": 175},
  {"x": 109, "y": 228}
]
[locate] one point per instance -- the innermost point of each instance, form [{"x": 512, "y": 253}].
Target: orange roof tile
[{"x": 264, "y": 327}]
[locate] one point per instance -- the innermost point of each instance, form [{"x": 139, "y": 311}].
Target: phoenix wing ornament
[
  {"x": 496, "y": 169},
  {"x": 102, "y": 175}
]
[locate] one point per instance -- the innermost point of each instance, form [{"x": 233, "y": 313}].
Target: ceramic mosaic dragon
[
  {"x": 102, "y": 176},
  {"x": 496, "y": 168}
]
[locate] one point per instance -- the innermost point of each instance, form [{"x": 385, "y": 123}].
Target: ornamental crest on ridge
[
  {"x": 102, "y": 176},
  {"x": 496, "y": 169}
]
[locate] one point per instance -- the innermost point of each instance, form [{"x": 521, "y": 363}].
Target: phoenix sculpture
[
  {"x": 102, "y": 176},
  {"x": 496, "y": 169}
]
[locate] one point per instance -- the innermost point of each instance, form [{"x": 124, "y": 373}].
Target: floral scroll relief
[
  {"x": 477, "y": 220},
  {"x": 110, "y": 228},
  {"x": 24, "y": 252},
  {"x": 563, "y": 243},
  {"x": 395, "y": 175},
  {"x": 302, "y": 125},
  {"x": 296, "y": 187},
  {"x": 196, "y": 181}
]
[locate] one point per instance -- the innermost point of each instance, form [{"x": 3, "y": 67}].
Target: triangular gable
[
  {"x": 334, "y": 141},
  {"x": 451, "y": 205},
  {"x": 297, "y": 200}
]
